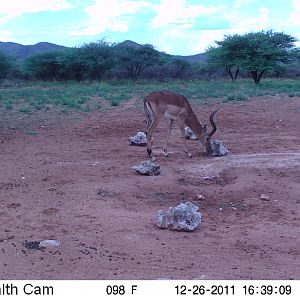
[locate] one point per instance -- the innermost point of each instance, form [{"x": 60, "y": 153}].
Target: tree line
[{"x": 254, "y": 54}]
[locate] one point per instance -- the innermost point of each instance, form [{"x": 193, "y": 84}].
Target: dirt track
[{"x": 72, "y": 181}]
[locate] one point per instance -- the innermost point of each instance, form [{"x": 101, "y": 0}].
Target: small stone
[
  {"x": 49, "y": 243},
  {"x": 189, "y": 134},
  {"x": 147, "y": 167},
  {"x": 140, "y": 139},
  {"x": 200, "y": 197},
  {"x": 218, "y": 148},
  {"x": 264, "y": 197}
]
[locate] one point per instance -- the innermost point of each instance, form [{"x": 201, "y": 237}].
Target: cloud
[
  {"x": 240, "y": 20},
  {"x": 192, "y": 41},
  {"x": 239, "y": 3},
  {"x": 113, "y": 15},
  {"x": 179, "y": 12},
  {"x": 294, "y": 17},
  {"x": 11, "y": 9},
  {"x": 179, "y": 20},
  {"x": 6, "y": 36},
  {"x": 208, "y": 37}
]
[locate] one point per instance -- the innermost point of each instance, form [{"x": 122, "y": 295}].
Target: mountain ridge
[{"x": 21, "y": 52}]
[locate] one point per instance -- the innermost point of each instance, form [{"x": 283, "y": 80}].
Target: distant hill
[
  {"x": 22, "y": 51},
  {"x": 129, "y": 43},
  {"x": 190, "y": 58}
]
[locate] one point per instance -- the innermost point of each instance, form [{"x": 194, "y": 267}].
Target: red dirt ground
[{"x": 70, "y": 179}]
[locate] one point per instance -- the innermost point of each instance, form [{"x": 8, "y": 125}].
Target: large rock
[
  {"x": 184, "y": 216},
  {"x": 140, "y": 139},
  {"x": 147, "y": 167},
  {"x": 218, "y": 148}
]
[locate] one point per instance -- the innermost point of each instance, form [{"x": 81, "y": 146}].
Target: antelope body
[{"x": 172, "y": 106}]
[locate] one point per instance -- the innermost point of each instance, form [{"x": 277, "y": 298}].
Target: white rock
[
  {"x": 184, "y": 216},
  {"x": 147, "y": 167},
  {"x": 49, "y": 243},
  {"x": 189, "y": 134},
  {"x": 218, "y": 148},
  {"x": 140, "y": 139},
  {"x": 200, "y": 197},
  {"x": 264, "y": 197}
]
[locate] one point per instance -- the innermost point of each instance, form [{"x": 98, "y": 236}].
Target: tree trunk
[
  {"x": 260, "y": 75},
  {"x": 233, "y": 77},
  {"x": 236, "y": 73},
  {"x": 255, "y": 76},
  {"x": 228, "y": 70}
]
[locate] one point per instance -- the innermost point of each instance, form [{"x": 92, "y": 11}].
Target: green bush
[{"x": 8, "y": 105}]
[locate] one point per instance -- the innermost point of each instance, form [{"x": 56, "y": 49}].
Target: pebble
[
  {"x": 264, "y": 197},
  {"x": 49, "y": 243},
  {"x": 200, "y": 197}
]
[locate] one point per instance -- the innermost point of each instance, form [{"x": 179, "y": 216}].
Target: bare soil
[{"x": 70, "y": 179}]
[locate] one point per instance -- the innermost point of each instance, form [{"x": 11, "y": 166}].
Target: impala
[{"x": 171, "y": 106}]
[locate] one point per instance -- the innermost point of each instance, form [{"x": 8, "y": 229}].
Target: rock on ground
[
  {"x": 184, "y": 216},
  {"x": 49, "y": 243},
  {"x": 218, "y": 148},
  {"x": 189, "y": 134},
  {"x": 140, "y": 139},
  {"x": 147, "y": 167}
]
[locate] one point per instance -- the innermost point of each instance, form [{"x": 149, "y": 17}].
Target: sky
[{"x": 181, "y": 27}]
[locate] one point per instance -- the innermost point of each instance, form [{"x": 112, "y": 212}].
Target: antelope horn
[{"x": 212, "y": 122}]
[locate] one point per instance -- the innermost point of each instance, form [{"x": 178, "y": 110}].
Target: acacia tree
[
  {"x": 180, "y": 68},
  {"x": 97, "y": 59},
  {"x": 265, "y": 51},
  {"x": 257, "y": 52},
  {"x": 43, "y": 66},
  {"x": 72, "y": 64},
  {"x": 88, "y": 61},
  {"x": 226, "y": 55},
  {"x": 135, "y": 59}
]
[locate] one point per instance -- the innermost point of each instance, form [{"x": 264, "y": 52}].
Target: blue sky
[{"x": 183, "y": 27}]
